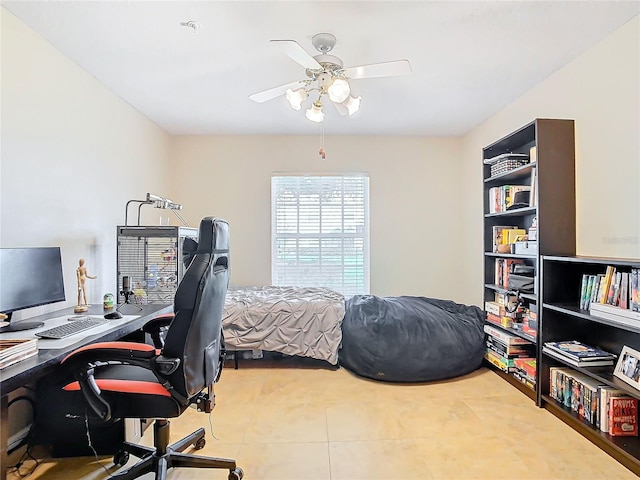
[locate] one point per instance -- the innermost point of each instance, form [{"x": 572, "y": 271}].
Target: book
[
  {"x": 527, "y": 365},
  {"x": 507, "y": 351},
  {"x": 584, "y": 288},
  {"x": 623, "y": 413},
  {"x": 13, "y": 351},
  {"x": 578, "y": 351},
  {"x": 533, "y": 192},
  {"x": 605, "y": 393},
  {"x": 504, "y": 337},
  {"x": 576, "y": 363},
  {"x": 634, "y": 298},
  {"x": 605, "y": 284},
  {"x": 624, "y": 291},
  {"x": 504, "y": 364},
  {"x": 596, "y": 287}
]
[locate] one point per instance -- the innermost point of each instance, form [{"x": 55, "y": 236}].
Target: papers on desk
[
  {"x": 12, "y": 351},
  {"x": 50, "y": 344}
]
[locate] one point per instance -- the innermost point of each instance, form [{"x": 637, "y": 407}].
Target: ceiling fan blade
[
  {"x": 292, "y": 49},
  {"x": 385, "y": 69},
  {"x": 275, "y": 92}
]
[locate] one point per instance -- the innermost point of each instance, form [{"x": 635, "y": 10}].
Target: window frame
[{"x": 362, "y": 289}]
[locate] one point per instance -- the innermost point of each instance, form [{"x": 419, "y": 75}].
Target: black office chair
[{"x": 135, "y": 380}]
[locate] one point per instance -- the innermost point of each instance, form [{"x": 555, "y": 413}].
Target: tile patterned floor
[{"x": 314, "y": 423}]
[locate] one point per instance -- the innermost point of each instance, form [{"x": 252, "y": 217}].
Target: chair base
[{"x": 164, "y": 456}]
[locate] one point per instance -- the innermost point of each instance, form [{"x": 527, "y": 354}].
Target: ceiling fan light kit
[
  {"x": 326, "y": 75},
  {"x": 296, "y": 97},
  {"x": 315, "y": 113}
]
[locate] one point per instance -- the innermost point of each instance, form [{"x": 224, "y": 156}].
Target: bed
[{"x": 303, "y": 321}]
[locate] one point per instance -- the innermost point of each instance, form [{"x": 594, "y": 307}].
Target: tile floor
[{"x": 315, "y": 423}]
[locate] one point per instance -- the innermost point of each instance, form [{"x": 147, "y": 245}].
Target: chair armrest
[
  {"x": 152, "y": 327},
  {"x": 84, "y": 360},
  {"x": 127, "y": 352}
]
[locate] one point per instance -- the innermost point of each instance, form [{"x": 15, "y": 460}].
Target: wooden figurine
[{"x": 82, "y": 275}]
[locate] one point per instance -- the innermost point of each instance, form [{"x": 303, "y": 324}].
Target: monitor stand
[{"x": 20, "y": 326}]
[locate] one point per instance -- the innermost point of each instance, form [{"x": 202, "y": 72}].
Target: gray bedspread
[{"x": 305, "y": 321}]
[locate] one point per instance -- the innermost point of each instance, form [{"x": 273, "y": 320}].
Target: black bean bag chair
[{"x": 410, "y": 339}]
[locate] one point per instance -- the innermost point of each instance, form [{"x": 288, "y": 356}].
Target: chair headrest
[{"x": 213, "y": 236}]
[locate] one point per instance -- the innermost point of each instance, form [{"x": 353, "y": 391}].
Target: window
[{"x": 320, "y": 232}]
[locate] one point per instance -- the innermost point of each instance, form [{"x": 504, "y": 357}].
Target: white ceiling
[{"x": 469, "y": 59}]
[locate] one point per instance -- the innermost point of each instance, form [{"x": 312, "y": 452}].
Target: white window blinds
[{"x": 320, "y": 232}]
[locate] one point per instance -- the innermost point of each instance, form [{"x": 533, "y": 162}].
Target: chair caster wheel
[
  {"x": 200, "y": 444},
  {"x": 121, "y": 458},
  {"x": 237, "y": 474}
]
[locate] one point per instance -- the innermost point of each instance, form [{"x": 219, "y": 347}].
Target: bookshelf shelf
[
  {"x": 624, "y": 449},
  {"x": 497, "y": 288},
  {"x": 551, "y": 175},
  {"x": 520, "y": 173},
  {"x": 512, "y": 213},
  {"x": 562, "y": 319},
  {"x": 576, "y": 311}
]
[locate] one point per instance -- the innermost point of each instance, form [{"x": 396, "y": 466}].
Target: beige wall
[
  {"x": 600, "y": 90},
  {"x": 414, "y": 194},
  {"x": 73, "y": 153}
]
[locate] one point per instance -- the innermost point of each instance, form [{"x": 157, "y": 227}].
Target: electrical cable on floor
[
  {"x": 27, "y": 440},
  {"x": 211, "y": 426},
  {"x": 95, "y": 454}
]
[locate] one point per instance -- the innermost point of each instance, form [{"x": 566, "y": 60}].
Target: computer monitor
[{"x": 29, "y": 277}]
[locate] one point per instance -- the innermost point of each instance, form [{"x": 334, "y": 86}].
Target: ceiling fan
[{"x": 326, "y": 75}]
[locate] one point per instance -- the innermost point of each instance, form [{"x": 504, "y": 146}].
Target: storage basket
[{"x": 507, "y": 164}]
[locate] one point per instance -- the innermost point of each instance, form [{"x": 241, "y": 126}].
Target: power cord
[
  {"x": 95, "y": 454},
  {"x": 211, "y": 426},
  {"x": 27, "y": 440}
]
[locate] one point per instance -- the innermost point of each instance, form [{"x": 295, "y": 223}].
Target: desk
[{"x": 33, "y": 368}]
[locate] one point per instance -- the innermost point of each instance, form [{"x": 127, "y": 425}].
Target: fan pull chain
[{"x": 321, "y": 152}]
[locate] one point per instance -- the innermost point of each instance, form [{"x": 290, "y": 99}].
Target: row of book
[
  {"x": 14, "y": 351},
  {"x": 617, "y": 288},
  {"x": 508, "y": 197},
  {"x": 604, "y": 407},
  {"x": 511, "y": 354},
  {"x": 503, "y": 268}
]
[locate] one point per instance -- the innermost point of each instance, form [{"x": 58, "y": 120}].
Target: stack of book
[
  {"x": 578, "y": 354},
  {"x": 13, "y": 351},
  {"x": 502, "y": 350}
]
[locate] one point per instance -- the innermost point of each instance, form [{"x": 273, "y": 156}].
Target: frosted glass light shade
[
  {"x": 296, "y": 97},
  {"x": 352, "y": 104},
  {"x": 315, "y": 113},
  {"x": 339, "y": 90}
]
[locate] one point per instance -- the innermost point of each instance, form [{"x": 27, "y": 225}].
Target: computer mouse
[{"x": 113, "y": 315}]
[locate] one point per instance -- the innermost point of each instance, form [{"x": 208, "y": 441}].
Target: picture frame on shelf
[{"x": 628, "y": 367}]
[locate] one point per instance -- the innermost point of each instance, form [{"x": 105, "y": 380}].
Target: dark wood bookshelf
[
  {"x": 554, "y": 210},
  {"x": 562, "y": 319}
]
